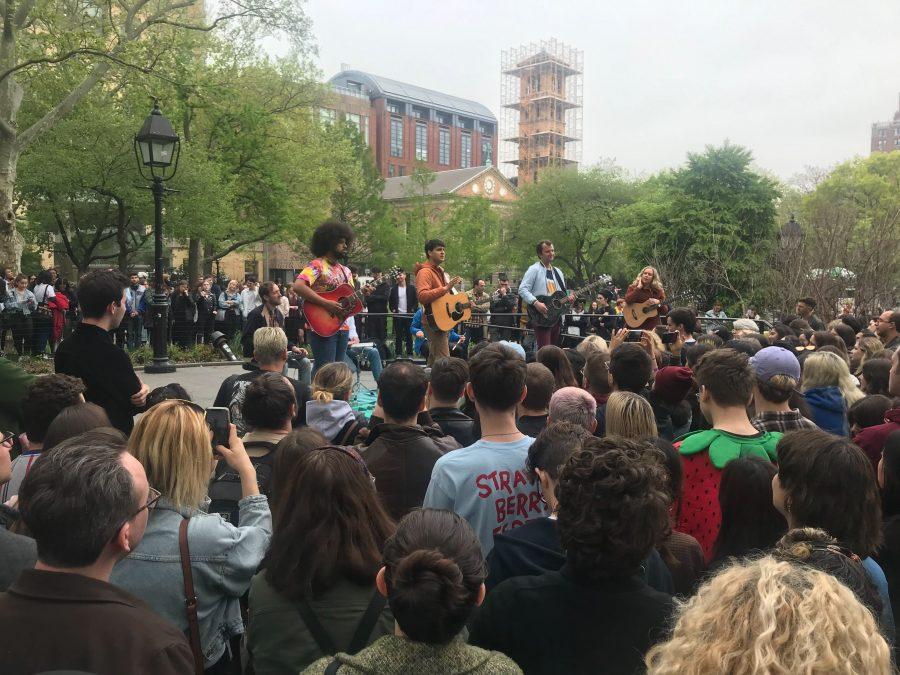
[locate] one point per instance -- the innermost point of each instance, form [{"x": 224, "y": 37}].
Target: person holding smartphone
[{"x": 173, "y": 443}]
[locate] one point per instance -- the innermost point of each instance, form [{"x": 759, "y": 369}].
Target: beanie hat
[
  {"x": 673, "y": 383},
  {"x": 745, "y": 324}
]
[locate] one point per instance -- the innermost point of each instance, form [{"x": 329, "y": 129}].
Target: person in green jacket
[{"x": 433, "y": 578}]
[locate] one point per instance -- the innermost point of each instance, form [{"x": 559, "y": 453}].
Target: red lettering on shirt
[
  {"x": 504, "y": 481},
  {"x": 484, "y": 491},
  {"x": 520, "y": 479}
]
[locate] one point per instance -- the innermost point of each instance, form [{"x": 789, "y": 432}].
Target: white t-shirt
[
  {"x": 43, "y": 292},
  {"x": 401, "y": 300}
]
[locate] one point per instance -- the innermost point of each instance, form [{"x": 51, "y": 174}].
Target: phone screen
[
  {"x": 219, "y": 420},
  {"x": 634, "y": 336},
  {"x": 669, "y": 338}
]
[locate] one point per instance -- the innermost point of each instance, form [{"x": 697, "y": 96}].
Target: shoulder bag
[{"x": 190, "y": 597}]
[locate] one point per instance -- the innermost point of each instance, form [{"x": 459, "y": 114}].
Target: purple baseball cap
[{"x": 771, "y": 361}]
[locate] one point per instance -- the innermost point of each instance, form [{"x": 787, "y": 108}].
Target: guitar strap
[{"x": 559, "y": 282}]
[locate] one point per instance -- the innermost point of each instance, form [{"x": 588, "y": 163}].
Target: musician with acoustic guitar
[
  {"x": 543, "y": 279},
  {"x": 432, "y": 284},
  {"x": 326, "y": 287},
  {"x": 644, "y": 300}
]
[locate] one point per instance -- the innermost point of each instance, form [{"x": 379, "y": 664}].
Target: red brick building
[{"x": 405, "y": 124}]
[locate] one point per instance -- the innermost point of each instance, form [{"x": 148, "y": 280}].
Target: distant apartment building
[
  {"x": 886, "y": 135},
  {"x": 406, "y": 125}
]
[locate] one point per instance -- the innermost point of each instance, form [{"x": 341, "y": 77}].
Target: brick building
[
  {"x": 405, "y": 124},
  {"x": 886, "y": 135}
]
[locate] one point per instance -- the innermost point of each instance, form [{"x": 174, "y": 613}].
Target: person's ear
[
  {"x": 470, "y": 392},
  {"x": 482, "y": 591},
  {"x": 523, "y": 394},
  {"x": 594, "y": 424},
  {"x": 378, "y": 400},
  {"x": 381, "y": 584},
  {"x": 122, "y": 540},
  {"x": 704, "y": 394}
]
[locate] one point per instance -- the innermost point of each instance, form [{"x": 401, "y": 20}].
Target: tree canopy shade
[{"x": 53, "y": 54}]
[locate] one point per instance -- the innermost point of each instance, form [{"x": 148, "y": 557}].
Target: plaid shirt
[{"x": 782, "y": 421}]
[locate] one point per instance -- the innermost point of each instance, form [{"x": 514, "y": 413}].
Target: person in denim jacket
[{"x": 172, "y": 441}]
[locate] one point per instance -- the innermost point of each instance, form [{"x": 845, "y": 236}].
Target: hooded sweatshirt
[
  {"x": 329, "y": 417},
  {"x": 872, "y": 439},
  {"x": 829, "y": 410}
]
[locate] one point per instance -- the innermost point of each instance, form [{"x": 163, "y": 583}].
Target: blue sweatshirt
[
  {"x": 486, "y": 483},
  {"x": 829, "y": 409}
]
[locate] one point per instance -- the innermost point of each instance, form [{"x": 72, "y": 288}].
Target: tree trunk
[
  {"x": 192, "y": 269},
  {"x": 121, "y": 236},
  {"x": 208, "y": 253},
  {"x": 11, "y": 242}
]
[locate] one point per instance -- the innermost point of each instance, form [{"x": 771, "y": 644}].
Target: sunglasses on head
[{"x": 353, "y": 454}]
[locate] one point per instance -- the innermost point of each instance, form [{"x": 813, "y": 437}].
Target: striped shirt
[{"x": 782, "y": 421}]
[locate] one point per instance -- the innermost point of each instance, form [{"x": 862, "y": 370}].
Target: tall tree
[
  {"x": 82, "y": 41},
  {"x": 472, "y": 233}
]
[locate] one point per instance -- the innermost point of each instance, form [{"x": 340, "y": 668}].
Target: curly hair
[
  {"x": 327, "y": 235},
  {"x": 45, "y": 398},
  {"x": 613, "y": 506},
  {"x": 830, "y": 483},
  {"x": 766, "y": 616}
]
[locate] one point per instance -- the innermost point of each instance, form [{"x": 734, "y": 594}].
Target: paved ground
[{"x": 202, "y": 382}]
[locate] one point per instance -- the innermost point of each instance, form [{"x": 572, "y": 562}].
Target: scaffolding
[{"x": 541, "y": 98}]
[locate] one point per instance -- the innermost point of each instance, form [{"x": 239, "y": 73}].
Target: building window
[
  {"x": 419, "y": 112},
  {"x": 390, "y": 170},
  {"x": 444, "y": 146},
  {"x": 401, "y": 170},
  {"x": 486, "y": 128},
  {"x": 361, "y": 122},
  {"x": 465, "y": 159},
  {"x": 354, "y": 86},
  {"x": 394, "y": 107},
  {"x": 466, "y": 123},
  {"x": 396, "y": 137},
  {"x": 443, "y": 118},
  {"x": 487, "y": 152},
  {"x": 422, "y": 142},
  {"x": 326, "y": 116}
]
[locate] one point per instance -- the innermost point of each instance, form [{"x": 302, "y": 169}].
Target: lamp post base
[{"x": 164, "y": 366}]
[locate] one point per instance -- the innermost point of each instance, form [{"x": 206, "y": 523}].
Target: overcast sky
[{"x": 797, "y": 82}]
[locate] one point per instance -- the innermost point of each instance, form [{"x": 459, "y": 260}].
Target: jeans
[
  {"x": 371, "y": 353},
  {"x": 20, "y": 324},
  {"x": 303, "y": 366},
  {"x": 328, "y": 349},
  {"x": 42, "y": 327},
  {"x": 438, "y": 343},
  {"x": 135, "y": 331}
]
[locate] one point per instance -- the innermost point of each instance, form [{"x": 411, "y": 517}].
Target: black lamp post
[{"x": 157, "y": 147}]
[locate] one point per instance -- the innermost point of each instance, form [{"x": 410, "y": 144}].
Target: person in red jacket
[
  {"x": 432, "y": 282},
  {"x": 872, "y": 439},
  {"x": 647, "y": 288},
  {"x": 726, "y": 385}
]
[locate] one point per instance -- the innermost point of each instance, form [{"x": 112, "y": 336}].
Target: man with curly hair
[
  {"x": 330, "y": 243},
  {"x": 41, "y": 404},
  {"x": 596, "y": 613}
]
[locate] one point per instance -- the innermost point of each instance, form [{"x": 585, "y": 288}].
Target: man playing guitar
[
  {"x": 647, "y": 288},
  {"x": 432, "y": 282},
  {"x": 330, "y": 243},
  {"x": 542, "y": 278}
]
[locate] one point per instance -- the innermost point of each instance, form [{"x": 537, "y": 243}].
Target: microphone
[{"x": 220, "y": 342}]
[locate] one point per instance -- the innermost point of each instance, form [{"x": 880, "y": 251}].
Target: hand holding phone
[
  {"x": 634, "y": 336},
  {"x": 219, "y": 420}
]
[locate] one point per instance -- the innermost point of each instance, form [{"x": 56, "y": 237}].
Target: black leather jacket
[{"x": 456, "y": 423}]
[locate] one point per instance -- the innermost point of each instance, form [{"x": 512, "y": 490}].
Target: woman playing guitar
[{"x": 647, "y": 288}]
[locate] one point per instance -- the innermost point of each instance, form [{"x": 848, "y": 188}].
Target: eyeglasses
[
  {"x": 353, "y": 454},
  {"x": 153, "y": 496}
]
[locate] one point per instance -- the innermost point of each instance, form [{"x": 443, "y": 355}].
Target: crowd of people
[{"x": 689, "y": 501}]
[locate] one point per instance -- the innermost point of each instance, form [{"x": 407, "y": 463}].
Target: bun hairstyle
[
  {"x": 434, "y": 569},
  {"x": 333, "y": 381}
]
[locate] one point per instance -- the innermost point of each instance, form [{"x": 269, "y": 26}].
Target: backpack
[{"x": 225, "y": 487}]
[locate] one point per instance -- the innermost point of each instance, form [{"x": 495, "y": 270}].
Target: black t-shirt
[
  {"x": 232, "y": 391},
  {"x": 531, "y": 425},
  {"x": 553, "y": 624}
]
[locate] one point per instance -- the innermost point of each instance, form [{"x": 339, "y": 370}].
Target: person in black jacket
[
  {"x": 447, "y": 386},
  {"x": 403, "y": 300},
  {"x": 206, "y": 304},
  {"x": 183, "y": 311},
  {"x": 503, "y": 301},
  {"x": 597, "y": 611},
  {"x": 401, "y": 453},
  {"x": 377, "y": 303},
  {"x": 89, "y": 353}
]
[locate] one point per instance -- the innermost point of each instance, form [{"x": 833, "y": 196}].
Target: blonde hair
[
  {"x": 827, "y": 369},
  {"x": 332, "y": 381},
  {"x": 592, "y": 344},
  {"x": 172, "y": 442},
  {"x": 656, "y": 283},
  {"x": 629, "y": 415},
  {"x": 233, "y": 284},
  {"x": 871, "y": 348},
  {"x": 766, "y": 616},
  {"x": 270, "y": 344}
]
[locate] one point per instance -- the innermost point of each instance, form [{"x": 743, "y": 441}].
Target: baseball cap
[
  {"x": 771, "y": 361},
  {"x": 515, "y": 347}
]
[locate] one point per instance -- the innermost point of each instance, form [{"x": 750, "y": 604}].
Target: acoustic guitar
[
  {"x": 326, "y": 324},
  {"x": 449, "y": 310},
  {"x": 557, "y": 305},
  {"x": 636, "y": 313}
]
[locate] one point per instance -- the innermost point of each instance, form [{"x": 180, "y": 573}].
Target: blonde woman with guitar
[{"x": 644, "y": 300}]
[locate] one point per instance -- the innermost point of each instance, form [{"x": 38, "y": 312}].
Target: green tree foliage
[
  {"x": 471, "y": 230},
  {"x": 709, "y": 227},
  {"x": 851, "y": 242},
  {"x": 579, "y": 211}
]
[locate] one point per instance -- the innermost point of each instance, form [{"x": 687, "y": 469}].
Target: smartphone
[
  {"x": 219, "y": 420},
  {"x": 669, "y": 337},
  {"x": 634, "y": 336}
]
